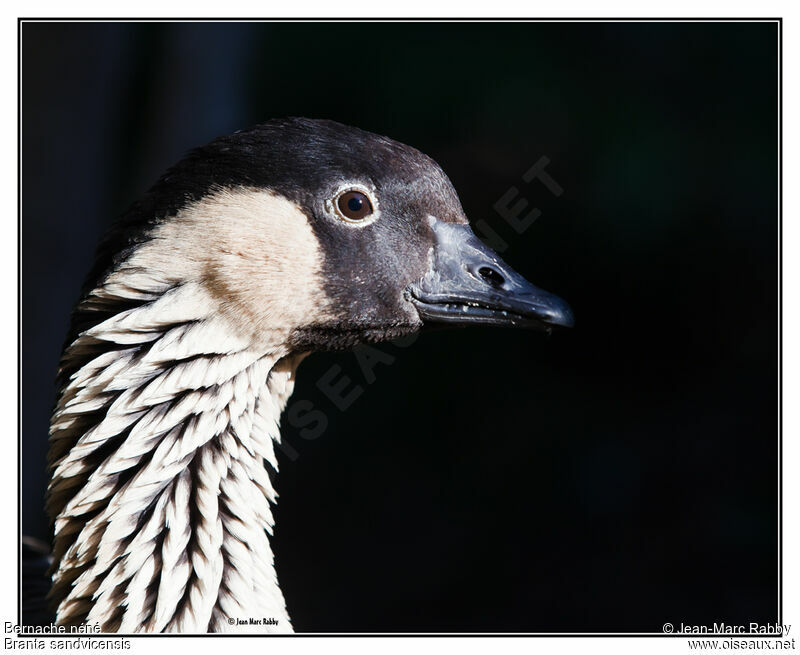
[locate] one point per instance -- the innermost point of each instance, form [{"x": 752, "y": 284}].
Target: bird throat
[{"x": 160, "y": 447}]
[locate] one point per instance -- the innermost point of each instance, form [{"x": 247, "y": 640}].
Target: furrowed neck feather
[{"x": 160, "y": 496}]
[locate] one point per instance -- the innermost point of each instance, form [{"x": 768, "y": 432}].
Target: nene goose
[{"x": 293, "y": 236}]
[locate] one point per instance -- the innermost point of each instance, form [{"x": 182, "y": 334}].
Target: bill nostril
[{"x": 491, "y": 276}]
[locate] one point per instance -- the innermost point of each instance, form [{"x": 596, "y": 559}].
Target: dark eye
[{"x": 354, "y": 205}]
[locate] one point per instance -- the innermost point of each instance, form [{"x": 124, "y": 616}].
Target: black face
[
  {"x": 398, "y": 251},
  {"x": 371, "y": 199}
]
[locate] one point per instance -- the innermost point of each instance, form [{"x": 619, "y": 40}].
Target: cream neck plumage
[
  {"x": 163, "y": 507},
  {"x": 160, "y": 495}
]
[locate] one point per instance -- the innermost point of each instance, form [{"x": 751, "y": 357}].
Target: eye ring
[{"x": 354, "y": 205}]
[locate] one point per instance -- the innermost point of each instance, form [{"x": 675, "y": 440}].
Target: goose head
[{"x": 324, "y": 236}]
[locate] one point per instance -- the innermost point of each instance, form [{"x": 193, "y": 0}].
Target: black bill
[{"x": 467, "y": 283}]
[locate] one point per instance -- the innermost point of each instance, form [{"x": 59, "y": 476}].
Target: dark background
[{"x": 610, "y": 478}]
